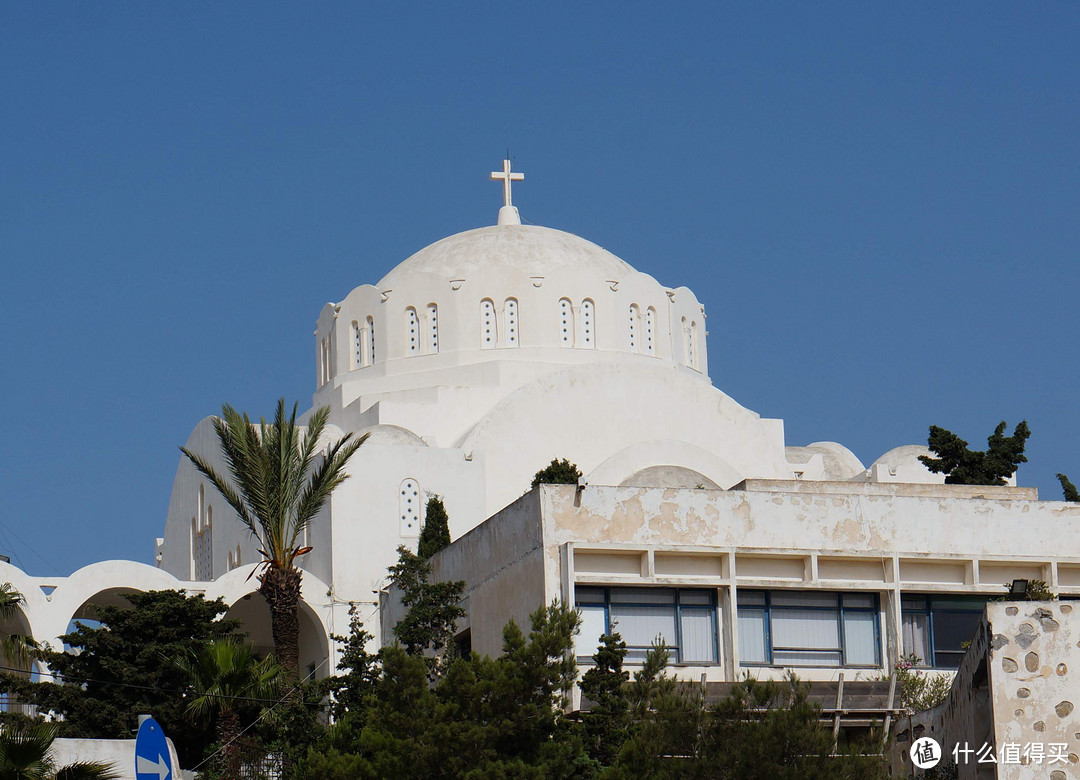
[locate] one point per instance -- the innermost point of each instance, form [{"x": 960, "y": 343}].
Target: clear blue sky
[{"x": 876, "y": 202}]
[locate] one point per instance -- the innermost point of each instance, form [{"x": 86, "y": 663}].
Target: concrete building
[
  {"x": 479, "y": 359},
  {"x": 828, "y": 578}
]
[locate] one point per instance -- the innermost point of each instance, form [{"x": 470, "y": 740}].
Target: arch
[
  {"x": 566, "y": 322},
  {"x": 412, "y": 331},
  {"x": 668, "y": 476},
  {"x": 78, "y": 595},
  {"x": 254, "y": 615},
  {"x": 588, "y": 324},
  {"x": 650, "y": 331},
  {"x": 489, "y": 332},
  {"x": 432, "y": 328},
  {"x": 35, "y": 601},
  {"x": 409, "y": 507},
  {"x": 510, "y": 321},
  {"x": 668, "y": 454},
  {"x": 237, "y": 589}
]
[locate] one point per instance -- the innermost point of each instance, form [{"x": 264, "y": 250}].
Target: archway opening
[{"x": 254, "y": 616}]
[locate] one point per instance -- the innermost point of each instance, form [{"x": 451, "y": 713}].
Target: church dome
[
  {"x": 508, "y": 293},
  {"x": 528, "y": 249}
]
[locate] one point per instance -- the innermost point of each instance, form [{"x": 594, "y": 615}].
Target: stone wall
[
  {"x": 1034, "y": 666},
  {"x": 1016, "y": 690}
]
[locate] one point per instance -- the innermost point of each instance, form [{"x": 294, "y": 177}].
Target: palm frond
[
  {"x": 324, "y": 480},
  {"x": 224, "y": 488},
  {"x": 224, "y": 670},
  {"x": 18, "y": 650},
  {"x": 24, "y": 751},
  {"x": 88, "y": 770},
  {"x": 10, "y": 599}
]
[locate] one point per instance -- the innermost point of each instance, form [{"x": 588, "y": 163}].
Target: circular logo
[{"x": 925, "y": 753}]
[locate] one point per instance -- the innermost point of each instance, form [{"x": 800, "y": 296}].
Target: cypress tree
[{"x": 435, "y": 534}]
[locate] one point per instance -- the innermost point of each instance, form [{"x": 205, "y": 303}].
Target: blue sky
[{"x": 876, "y": 202}]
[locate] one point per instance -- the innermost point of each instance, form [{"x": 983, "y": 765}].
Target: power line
[{"x": 183, "y": 693}]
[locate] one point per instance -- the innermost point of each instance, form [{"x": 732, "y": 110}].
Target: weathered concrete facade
[{"x": 886, "y": 540}]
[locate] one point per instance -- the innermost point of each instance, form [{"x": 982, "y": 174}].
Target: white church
[{"x": 480, "y": 358}]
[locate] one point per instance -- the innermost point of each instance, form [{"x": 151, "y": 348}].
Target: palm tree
[
  {"x": 278, "y": 484},
  {"x": 223, "y": 673},
  {"x": 24, "y": 755}
]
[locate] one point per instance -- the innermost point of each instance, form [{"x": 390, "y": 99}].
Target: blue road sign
[{"x": 152, "y": 761}]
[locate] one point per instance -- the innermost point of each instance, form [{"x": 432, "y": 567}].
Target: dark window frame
[
  {"x": 676, "y": 648},
  {"x": 933, "y": 662},
  {"x": 840, "y": 610}
]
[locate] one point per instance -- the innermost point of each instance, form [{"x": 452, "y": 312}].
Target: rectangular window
[
  {"x": 799, "y": 628},
  {"x": 684, "y": 619},
  {"x": 937, "y": 628}
]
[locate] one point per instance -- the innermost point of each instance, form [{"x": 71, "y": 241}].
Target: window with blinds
[
  {"x": 795, "y": 628},
  {"x": 684, "y": 618}
]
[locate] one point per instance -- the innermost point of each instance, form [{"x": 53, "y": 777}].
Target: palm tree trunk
[
  {"x": 228, "y": 729},
  {"x": 281, "y": 589}
]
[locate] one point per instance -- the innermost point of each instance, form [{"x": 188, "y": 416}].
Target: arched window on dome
[
  {"x": 635, "y": 328},
  {"x": 588, "y": 324},
  {"x": 510, "y": 321},
  {"x": 688, "y": 343},
  {"x": 412, "y": 332},
  {"x": 235, "y": 559},
  {"x": 196, "y": 546},
  {"x": 326, "y": 360},
  {"x": 489, "y": 334},
  {"x": 692, "y": 345},
  {"x": 202, "y": 550},
  {"x": 650, "y": 331},
  {"x": 409, "y": 504},
  {"x": 566, "y": 322},
  {"x": 432, "y": 328},
  {"x": 370, "y": 341},
  {"x": 357, "y": 345}
]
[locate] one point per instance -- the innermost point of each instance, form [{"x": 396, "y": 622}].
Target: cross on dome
[{"x": 508, "y": 215}]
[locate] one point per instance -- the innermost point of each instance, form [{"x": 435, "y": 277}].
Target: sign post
[{"x": 152, "y": 761}]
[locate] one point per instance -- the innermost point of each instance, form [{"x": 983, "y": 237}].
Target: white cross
[{"x": 507, "y": 177}]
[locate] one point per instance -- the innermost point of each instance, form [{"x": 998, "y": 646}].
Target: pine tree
[
  {"x": 605, "y": 684},
  {"x": 433, "y": 609},
  {"x": 963, "y": 466},
  {"x": 435, "y": 534}
]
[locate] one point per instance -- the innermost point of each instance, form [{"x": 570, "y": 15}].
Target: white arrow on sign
[{"x": 159, "y": 767}]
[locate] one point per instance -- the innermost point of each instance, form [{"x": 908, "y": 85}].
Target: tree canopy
[
  {"x": 558, "y": 472},
  {"x": 122, "y": 669},
  {"x": 1068, "y": 488},
  {"x": 964, "y": 466},
  {"x": 504, "y": 718}
]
